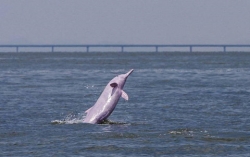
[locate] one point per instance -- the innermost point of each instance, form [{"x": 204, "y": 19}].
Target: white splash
[{"x": 71, "y": 119}]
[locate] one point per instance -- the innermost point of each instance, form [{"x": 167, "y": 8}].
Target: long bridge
[{"x": 124, "y": 47}]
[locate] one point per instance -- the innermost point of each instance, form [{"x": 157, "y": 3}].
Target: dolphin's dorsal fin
[
  {"x": 113, "y": 85},
  {"x": 88, "y": 110},
  {"x": 124, "y": 95}
]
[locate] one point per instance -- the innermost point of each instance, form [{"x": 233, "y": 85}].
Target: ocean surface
[{"x": 180, "y": 104}]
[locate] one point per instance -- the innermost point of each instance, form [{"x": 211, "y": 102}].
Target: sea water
[{"x": 180, "y": 104}]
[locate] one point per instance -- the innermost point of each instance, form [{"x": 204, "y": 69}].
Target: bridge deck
[{"x": 190, "y": 47}]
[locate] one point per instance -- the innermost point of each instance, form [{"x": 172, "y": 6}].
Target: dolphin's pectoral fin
[
  {"x": 124, "y": 95},
  {"x": 88, "y": 110},
  {"x": 113, "y": 84}
]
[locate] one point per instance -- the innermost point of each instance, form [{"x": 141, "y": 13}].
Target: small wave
[
  {"x": 225, "y": 139},
  {"x": 188, "y": 132}
]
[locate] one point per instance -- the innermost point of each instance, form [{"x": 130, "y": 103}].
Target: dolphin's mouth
[{"x": 128, "y": 73}]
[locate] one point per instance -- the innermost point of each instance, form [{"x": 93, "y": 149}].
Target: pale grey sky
[{"x": 125, "y": 22}]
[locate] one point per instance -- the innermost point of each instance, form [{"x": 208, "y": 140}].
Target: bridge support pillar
[
  {"x": 156, "y": 48},
  {"x": 191, "y": 48},
  {"x": 87, "y": 48}
]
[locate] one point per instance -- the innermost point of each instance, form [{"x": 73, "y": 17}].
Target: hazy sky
[{"x": 125, "y": 21}]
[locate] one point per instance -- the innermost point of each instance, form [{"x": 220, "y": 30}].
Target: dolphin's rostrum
[{"x": 108, "y": 100}]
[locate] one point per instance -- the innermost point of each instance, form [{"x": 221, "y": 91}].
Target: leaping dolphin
[{"x": 108, "y": 100}]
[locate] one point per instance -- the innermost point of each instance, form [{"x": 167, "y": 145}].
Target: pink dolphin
[{"x": 108, "y": 100}]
